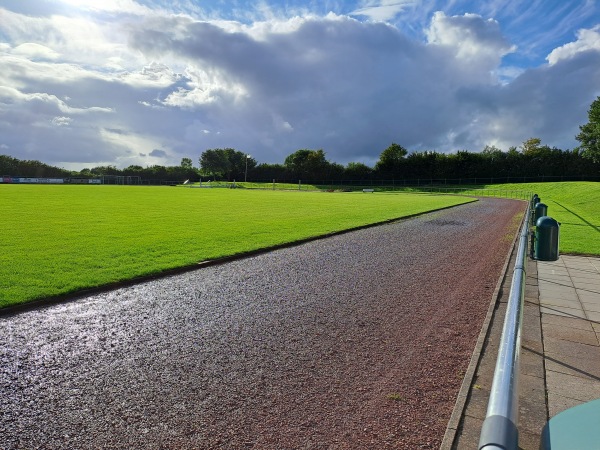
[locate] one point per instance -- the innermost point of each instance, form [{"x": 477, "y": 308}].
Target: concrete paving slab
[
  {"x": 588, "y": 278},
  {"x": 531, "y": 314},
  {"x": 570, "y": 334},
  {"x": 478, "y": 402},
  {"x": 580, "y": 324},
  {"x": 558, "y": 403},
  {"x": 586, "y": 295},
  {"x": 561, "y": 347},
  {"x": 557, "y": 296},
  {"x": 566, "y": 303},
  {"x": 590, "y": 270},
  {"x": 556, "y": 287},
  {"x": 591, "y": 287},
  {"x": 532, "y": 361},
  {"x": 577, "y": 264},
  {"x": 579, "y": 367},
  {"x": 468, "y": 433},
  {"x": 591, "y": 307},
  {"x": 552, "y": 292},
  {"x": 585, "y": 277},
  {"x": 577, "y": 388},
  {"x": 590, "y": 292},
  {"x": 554, "y": 278},
  {"x": 575, "y": 261},
  {"x": 549, "y": 273},
  {"x": 534, "y": 301},
  {"x": 564, "y": 282},
  {"x": 485, "y": 371},
  {"x": 529, "y": 441},
  {"x": 551, "y": 265},
  {"x": 593, "y": 316},
  {"x": 532, "y": 410},
  {"x": 562, "y": 311},
  {"x": 563, "y": 279}
]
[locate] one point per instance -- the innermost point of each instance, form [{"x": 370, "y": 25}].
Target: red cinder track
[{"x": 357, "y": 341}]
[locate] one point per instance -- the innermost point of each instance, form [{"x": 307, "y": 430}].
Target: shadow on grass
[{"x": 577, "y": 215}]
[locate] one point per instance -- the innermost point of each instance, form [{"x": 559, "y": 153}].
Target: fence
[{"x": 439, "y": 189}]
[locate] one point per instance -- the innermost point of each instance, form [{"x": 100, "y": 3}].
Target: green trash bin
[
  {"x": 546, "y": 239},
  {"x": 540, "y": 210},
  {"x": 534, "y": 201}
]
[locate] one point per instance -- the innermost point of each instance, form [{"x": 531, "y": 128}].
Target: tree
[
  {"x": 186, "y": 163},
  {"x": 269, "y": 172},
  {"x": 105, "y": 170},
  {"x": 590, "y": 133},
  {"x": 214, "y": 162},
  {"x": 491, "y": 151},
  {"x": 391, "y": 159},
  {"x": 424, "y": 164},
  {"x": 357, "y": 170},
  {"x": 237, "y": 164},
  {"x": 308, "y": 164},
  {"x": 225, "y": 163},
  {"x": 531, "y": 146}
]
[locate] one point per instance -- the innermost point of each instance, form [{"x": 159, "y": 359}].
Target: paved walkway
[
  {"x": 560, "y": 357},
  {"x": 569, "y": 295}
]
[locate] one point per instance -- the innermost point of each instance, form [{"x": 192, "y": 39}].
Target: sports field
[
  {"x": 61, "y": 239},
  {"x": 576, "y": 205}
]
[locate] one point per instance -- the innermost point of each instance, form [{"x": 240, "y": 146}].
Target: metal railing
[{"x": 499, "y": 430}]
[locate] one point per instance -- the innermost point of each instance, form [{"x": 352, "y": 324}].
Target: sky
[{"x": 85, "y": 83}]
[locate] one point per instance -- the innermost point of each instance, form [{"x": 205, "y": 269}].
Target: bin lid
[
  {"x": 575, "y": 427},
  {"x": 546, "y": 222}
]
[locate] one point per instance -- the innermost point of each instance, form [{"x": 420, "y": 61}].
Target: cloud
[
  {"x": 61, "y": 121},
  {"x": 36, "y": 51},
  {"x": 42, "y": 103},
  {"x": 327, "y": 82},
  {"x": 474, "y": 41},
  {"x": 122, "y": 6},
  {"x": 587, "y": 40},
  {"x": 155, "y": 87},
  {"x": 158, "y": 153},
  {"x": 548, "y": 102},
  {"x": 153, "y": 75},
  {"x": 96, "y": 42},
  {"x": 382, "y": 10}
]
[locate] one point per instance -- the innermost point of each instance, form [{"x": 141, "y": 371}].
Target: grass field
[
  {"x": 576, "y": 205},
  {"x": 61, "y": 239}
]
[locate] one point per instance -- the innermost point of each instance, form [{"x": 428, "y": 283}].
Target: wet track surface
[{"x": 356, "y": 341}]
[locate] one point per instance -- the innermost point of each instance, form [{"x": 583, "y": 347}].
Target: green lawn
[
  {"x": 576, "y": 205},
  {"x": 61, "y": 239}
]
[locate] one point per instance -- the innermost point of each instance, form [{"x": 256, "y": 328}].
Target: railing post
[{"x": 499, "y": 430}]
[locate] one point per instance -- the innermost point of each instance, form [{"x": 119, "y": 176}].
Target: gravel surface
[{"x": 356, "y": 341}]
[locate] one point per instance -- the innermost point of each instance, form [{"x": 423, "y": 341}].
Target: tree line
[{"x": 532, "y": 160}]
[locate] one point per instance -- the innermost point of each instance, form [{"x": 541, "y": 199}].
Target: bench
[{"x": 368, "y": 190}]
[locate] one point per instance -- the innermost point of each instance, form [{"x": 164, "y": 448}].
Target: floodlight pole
[{"x": 246, "y": 172}]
